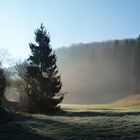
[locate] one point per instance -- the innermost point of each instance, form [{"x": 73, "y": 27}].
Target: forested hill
[{"x": 100, "y": 72}]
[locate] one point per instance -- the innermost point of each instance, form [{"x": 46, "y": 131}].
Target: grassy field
[{"x": 117, "y": 121}]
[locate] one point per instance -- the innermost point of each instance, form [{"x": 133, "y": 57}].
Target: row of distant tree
[
  {"x": 100, "y": 72},
  {"x": 36, "y": 79}
]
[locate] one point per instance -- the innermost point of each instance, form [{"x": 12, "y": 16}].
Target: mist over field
[{"x": 100, "y": 72}]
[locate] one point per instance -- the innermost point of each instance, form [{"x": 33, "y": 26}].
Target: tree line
[{"x": 100, "y": 72}]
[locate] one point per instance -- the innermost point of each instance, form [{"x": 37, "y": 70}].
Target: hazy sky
[{"x": 68, "y": 21}]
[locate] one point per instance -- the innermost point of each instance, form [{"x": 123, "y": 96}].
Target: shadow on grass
[
  {"x": 94, "y": 113},
  {"x": 52, "y": 129},
  {"x": 10, "y": 129},
  {"x": 27, "y": 127},
  {"x": 92, "y": 129}
]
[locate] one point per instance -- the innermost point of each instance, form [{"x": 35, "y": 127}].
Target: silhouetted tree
[
  {"x": 2, "y": 84},
  {"x": 44, "y": 83}
]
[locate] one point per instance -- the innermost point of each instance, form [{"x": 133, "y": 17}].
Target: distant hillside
[
  {"x": 133, "y": 100},
  {"x": 100, "y": 72}
]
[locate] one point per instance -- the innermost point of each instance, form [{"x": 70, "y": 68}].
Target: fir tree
[{"x": 44, "y": 83}]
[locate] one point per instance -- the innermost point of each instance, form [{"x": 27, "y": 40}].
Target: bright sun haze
[{"x": 68, "y": 21}]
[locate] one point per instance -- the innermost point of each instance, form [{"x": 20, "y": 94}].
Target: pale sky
[{"x": 68, "y": 21}]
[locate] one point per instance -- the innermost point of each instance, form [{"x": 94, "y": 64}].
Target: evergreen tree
[{"x": 44, "y": 83}]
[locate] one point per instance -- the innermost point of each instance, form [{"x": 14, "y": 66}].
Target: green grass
[
  {"x": 114, "y": 107},
  {"x": 80, "y": 122}
]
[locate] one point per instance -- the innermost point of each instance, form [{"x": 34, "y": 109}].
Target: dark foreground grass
[{"x": 73, "y": 126}]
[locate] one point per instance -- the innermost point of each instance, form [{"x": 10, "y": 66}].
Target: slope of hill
[{"x": 132, "y": 101}]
